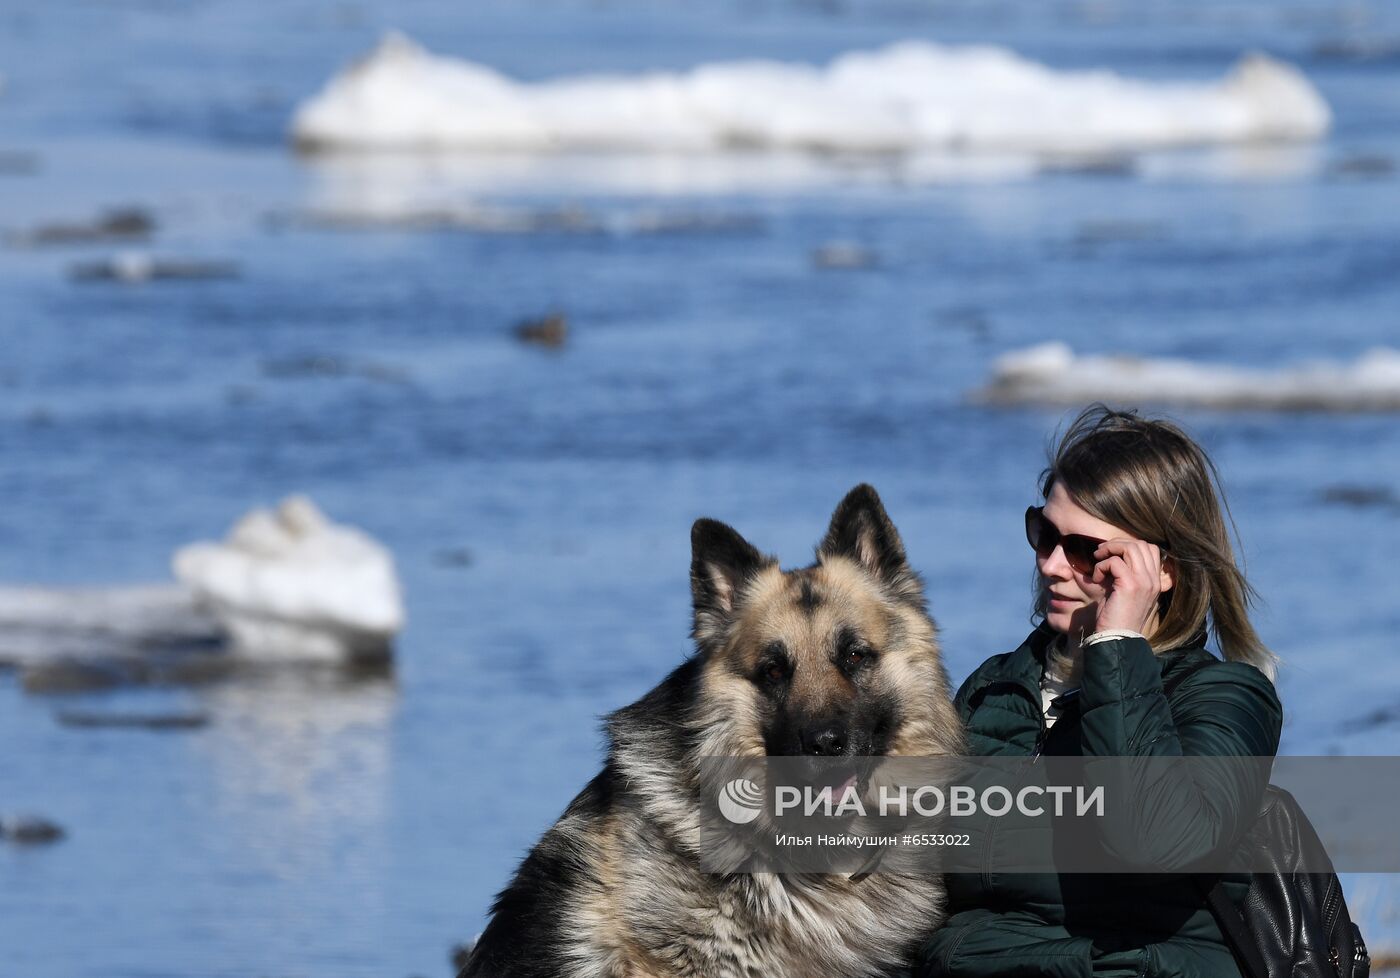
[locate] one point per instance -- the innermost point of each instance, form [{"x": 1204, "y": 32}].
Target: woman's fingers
[
  {"x": 1130, "y": 571},
  {"x": 1140, "y": 558},
  {"x": 1111, "y": 567}
]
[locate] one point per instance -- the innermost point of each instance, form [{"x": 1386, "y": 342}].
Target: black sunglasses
[{"x": 1043, "y": 536}]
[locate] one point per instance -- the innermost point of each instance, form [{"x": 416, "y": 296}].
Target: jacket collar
[
  {"x": 1021, "y": 669},
  {"x": 1024, "y": 667}
]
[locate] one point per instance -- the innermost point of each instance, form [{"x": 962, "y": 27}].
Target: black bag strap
[{"x": 1242, "y": 944}]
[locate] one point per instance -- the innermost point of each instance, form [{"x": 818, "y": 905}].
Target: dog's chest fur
[{"x": 661, "y": 918}]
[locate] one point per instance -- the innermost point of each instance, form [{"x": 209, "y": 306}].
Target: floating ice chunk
[
  {"x": 1051, "y": 373},
  {"x": 287, "y": 585},
  {"x": 910, "y": 96},
  {"x": 39, "y": 624},
  {"x": 290, "y": 584}
]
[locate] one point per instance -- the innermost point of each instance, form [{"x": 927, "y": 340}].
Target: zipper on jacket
[{"x": 1044, "y": 734}]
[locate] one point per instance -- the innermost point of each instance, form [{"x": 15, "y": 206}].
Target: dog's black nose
[{"x": 825, "y": 742}]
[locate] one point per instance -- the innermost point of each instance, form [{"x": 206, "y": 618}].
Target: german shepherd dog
[{"x": 836, "y": 659}]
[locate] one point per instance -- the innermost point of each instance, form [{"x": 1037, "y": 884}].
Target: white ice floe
[
  {"x": 40, "y": 624},
  {"x": 910, "y": 96},
  {"x": 1051, "y": 373},
  {"x": 290, "y": 584}
]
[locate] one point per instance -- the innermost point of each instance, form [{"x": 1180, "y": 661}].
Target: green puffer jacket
[{"x": 1146, "y": 924}]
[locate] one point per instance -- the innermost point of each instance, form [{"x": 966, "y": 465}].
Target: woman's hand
[{"x": 1130, "y": 571}]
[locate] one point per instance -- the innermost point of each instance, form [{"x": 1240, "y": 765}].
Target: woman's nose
[{"x": 1056, "y": 565}]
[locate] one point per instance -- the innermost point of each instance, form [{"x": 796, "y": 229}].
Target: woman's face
[{"x": 1072, "y": 599}]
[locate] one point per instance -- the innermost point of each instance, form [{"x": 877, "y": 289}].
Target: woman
[{"x": 1133, "y": 568}]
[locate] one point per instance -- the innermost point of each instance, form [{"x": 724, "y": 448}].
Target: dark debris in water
[
  {"x": 665, "y": 223},
  {"x": 1380, "y": 717},
  {"x": 29, "y": 830},
  {"x": 1378, "y": 497},
  {"x": 137, "y": 268},
  {"x": 1359, "y": 50},
  {"x": 67, "y": 676},
  {"x": 1112, "y": 230},
  {"x": 293, "y": 368},
  {"x": 88, "y": 719},
  {"x": 83, "y": 675},
  {"x": 1117, "y": 165},
  {"x": 1362, "y": 166},
  {"x": 548, "y": 331},
  {"x": 453, "y": 557},
  {"x": 122, "y": 224}
]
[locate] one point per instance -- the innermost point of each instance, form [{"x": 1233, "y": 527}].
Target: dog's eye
[
  {"x": 773, "y": 665},
  {"x": 852, "y": 651},
  {"x": 856, "y": 656},
  {"x": 771, "y": 672}
]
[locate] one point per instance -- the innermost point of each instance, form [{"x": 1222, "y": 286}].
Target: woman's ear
[{"x": 1168, "y": 574}]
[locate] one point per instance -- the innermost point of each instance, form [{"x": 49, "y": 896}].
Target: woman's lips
[{"x": 1057, "y": 600}]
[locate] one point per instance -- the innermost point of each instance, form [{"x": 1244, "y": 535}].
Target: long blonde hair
[{"x": 1150, "y": 478}]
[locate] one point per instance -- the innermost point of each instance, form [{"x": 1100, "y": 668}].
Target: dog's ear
[
  {"x": 861, "y": 531},
  {"x": 721, "y": 561}
]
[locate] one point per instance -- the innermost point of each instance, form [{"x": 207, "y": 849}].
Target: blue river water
[{"x": 334, "y": 828}]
